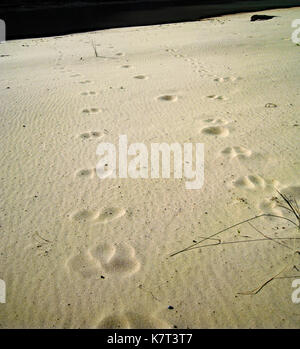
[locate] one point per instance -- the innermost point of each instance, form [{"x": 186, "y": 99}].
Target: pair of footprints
[
  {"x": 104, "y": 216},
  {"x": 258, "y": 183},
  {"x": 105, "y": 260},
  {"x": 92, "y": 110},
  {"x": 217, "y": 127},
  {"x": 198, "y": 67},
  {"x": 225, "y": 79},
  {"x": 269, "y": 205},
  {"x": 90, "y": 173},
  {"x": 91, "y": 134},
  {"x": 255, "y": 182}
]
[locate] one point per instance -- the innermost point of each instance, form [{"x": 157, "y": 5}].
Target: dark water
[{"x": 37, "y": 18}]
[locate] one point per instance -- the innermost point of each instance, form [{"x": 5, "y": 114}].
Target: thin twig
[
  {"x": 95, "y": 48},
  {"x": 268, "y": 237},
  {"x": 232, "y": 226},
  {"x": 241, "y": 241},
  {"x": 259, "y": 288}
]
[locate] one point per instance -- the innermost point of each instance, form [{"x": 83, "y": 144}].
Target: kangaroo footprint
[
  {"x": 218, "y": 121},
  {"x": 91, "y": 111},
  {"x": 274, "y": 205},
  {"x": 217, "y": 129},
  {"x": 141, "y": 77},
  {"x": 91, "y": 134},
  {"x": 228, "y": 78},
  {"x": 108, "y": 259},
  {"x": 270, "y": 206},
  {"x": 237, "y": 152},
  {"x": 104, "y": 216},
  {"x": 86, "y": 173},
  {"x": 255, "y": 182},
  {"x": 116, "y": 259},
  {"x": 168, "y": 98},
  {"x": 85, "y": 82},
  {"x": 220, "y": 98},
  {"x": 88, "y": 93}
]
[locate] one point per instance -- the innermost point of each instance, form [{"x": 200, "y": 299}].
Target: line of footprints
[
  {"x": 165, "y": 98},
  {"x": 111, "y": 259},
  {"x": 120, "y": 259},
  {"x": 199, "y": 68}
]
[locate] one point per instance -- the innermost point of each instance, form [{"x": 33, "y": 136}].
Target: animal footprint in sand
[
  {"x": 111, "y": 259},
  {"x": 86, "y": 173},
  {"x": 132, "y": 320},
  {"x": 273, "y": 205},
  {"x": 104, "y": 216},
  {"x": 220, "y": 98},
  {"x": 141, "y": 77},
  {"x": 237, "y": 152},
  {"x": 91, "y": 111},
  {"x": 92, "y": 134},
  {"x": 255, "y": 182},
  {"x": 217, "y": 129},
  {"x": 117, "y": 258},
  {"x": 228, "y": 78},
  {"x": 88, "y": 93},
  {"x": 270, "y": 206},
  {"x": 168, "y": 98}
]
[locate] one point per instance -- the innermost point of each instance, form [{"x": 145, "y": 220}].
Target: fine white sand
[{"x": 78, "y": 252}]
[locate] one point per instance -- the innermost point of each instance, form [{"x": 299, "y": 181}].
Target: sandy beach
[{"x": 80, "y": 252}]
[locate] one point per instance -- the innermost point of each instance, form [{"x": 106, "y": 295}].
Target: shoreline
[{"x": 79, "y": 19}]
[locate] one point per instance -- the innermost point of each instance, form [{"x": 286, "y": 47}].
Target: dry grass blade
[
  {"x": 295, "y": 210},
  {"x": 268, "y": 237},
  {"x": 228, "y": 228},
  {"x": 259, "y": 288},
  {"x": 292, "y": 207},
  {"x": 246, "y": 241}
]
